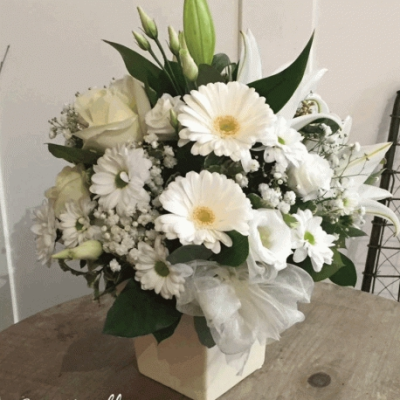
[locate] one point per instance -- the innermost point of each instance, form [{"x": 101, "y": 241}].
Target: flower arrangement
[{"x": 207, "y": 190}]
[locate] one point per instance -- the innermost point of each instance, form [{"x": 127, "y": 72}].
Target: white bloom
[
  {"x": 284, "y": 144},
  {"x": 227, "y": 119},
  {"x": 312, "y": 176},
  {"x": 250, "y": 68},
  {"x": 270, "y": 242},
  {"x": 203, "y": 207},
  {"x": 309, "y": 239},
  {"x": 115, "y": 265},
  {"x": 155, "y": 272},
  {"x": 119, "y": 178},
  {"x": 158, "y": 119},
  {"x": 44, "y": 228},
  {"x": 75, "y": 223},
  {"x": 114, "y": 116}
]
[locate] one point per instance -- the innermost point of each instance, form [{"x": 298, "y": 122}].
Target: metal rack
[{"x": 382, "y": 267}]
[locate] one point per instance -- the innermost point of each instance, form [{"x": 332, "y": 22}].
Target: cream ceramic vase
[{"x": 182, "y": 363}]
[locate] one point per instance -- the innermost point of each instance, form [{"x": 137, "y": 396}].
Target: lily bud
[
  {"x": 189, "y": 67},
  {"x": 199, "y": 31},
  {"x": 174, "y": 45},
  {"x": 148, "y": 24},
  {"x": 89, "y": 250},
  {"x": 142, "y": 42}
]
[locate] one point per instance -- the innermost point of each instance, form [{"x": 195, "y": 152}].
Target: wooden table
[{"x": 347, "y": 349}]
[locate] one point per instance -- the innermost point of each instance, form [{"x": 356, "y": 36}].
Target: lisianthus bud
[
  {"x": 89, "y": 250},
  {"x": 173, "y": 119},
  {"x": 142, "y": 41},
  {"x": 189, "y": 67},
  {"x": 148, "y": 24},
  {"x": 182, "y": 41},
  {"x": 199, "y": 31},
  {"x": 174, "y": 45}
]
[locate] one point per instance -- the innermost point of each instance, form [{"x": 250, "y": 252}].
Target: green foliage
[
  {"x": 279, "y": 88},
  {"x": 203, "y": 332},
  {"x": 347, "y": 275},
  {"x": 208, "y": 74},
  {"x": 73, "y": 155},
  {"x": 220, "y": 62},
  {"x": 138, "y": 312},
  {"x": 256, "y": 201},
  {"x": 327, "y": 270},
  {"x": 235, "y": 255},
  {"x": 290, "y": 221},
  {"x": 188, "y": 253},
  {"x": 144, "y": 70},
  {"x": 187, "y": 161},
  {"x": 343, "y": 228},
  {"x": 165, "y": 333}
]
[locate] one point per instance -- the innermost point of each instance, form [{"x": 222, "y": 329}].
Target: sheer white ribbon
[{"x": 238, "y": 312}]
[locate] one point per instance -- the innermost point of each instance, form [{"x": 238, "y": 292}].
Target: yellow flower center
[
  {"x": 203, "y": 216},
  {"x": 226, "y": 125}
]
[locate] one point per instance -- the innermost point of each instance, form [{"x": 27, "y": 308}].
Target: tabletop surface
[{"x": 348, "y": 348}]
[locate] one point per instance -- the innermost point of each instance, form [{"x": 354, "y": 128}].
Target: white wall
[{"x": 56, "y": 50}]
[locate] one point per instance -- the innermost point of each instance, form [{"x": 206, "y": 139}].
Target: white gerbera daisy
[
  {"x": 75, "y": 222},
  {"x": 227, "y": 119},
  {"x": 309, "y": 239},
  {"x": 44, "y": 228},
  {"x": 119, "y": 178},
  {"x": 203, "y": 207},
  {"x": 153, "y": 271},
  {"x": 284, "y": 144}
]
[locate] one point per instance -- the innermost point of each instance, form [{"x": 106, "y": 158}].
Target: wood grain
[{"x": 354, "y": 337}]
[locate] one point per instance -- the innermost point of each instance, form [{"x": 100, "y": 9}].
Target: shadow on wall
[
  {"x": 6, "y": 316},
  {"x": 37, "y": 286}
]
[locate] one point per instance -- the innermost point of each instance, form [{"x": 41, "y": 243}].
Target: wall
[{"x": 56, "y": 50}]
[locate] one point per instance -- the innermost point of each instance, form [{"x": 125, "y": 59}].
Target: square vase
[{"x": 182, "y": 363}]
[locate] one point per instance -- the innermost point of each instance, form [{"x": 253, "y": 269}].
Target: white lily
[
  {"x": 357, "y": 167},
  {"x": 250, "y": 68}
]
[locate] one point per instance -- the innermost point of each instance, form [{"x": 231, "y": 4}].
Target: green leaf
[
  {"x": 199, "y": 31},
  {"x": 347, "y": 275},
  {"x": 208, "y": 74},
  {"x": 220, "y": 62},
  {"x": 354, "y": 232},
  {"x": 235, "y": 255},
  {"x": 330, "y": 122},
  {"x": 187, "y": 161},
  {"x": 138, "y": 312},
  {"x": 212, "y": 159},
  {"x": 290, "y": 221},
  {"x": 165, "y": 333},
  {"x": 203, "y": 332},
  {"x": 144, "y": 70},
  {"x": 327, "y": 270},
  {"x": 188, "y": 253},
  {"x": 279, "y": 88},
  {"x": 256, "y": 201},
  {"x": 73, "y": 155}
]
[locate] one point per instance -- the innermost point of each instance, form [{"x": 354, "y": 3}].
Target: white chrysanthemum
[
  {"x": 284, "y": 144},
  {"x": 75, "y": 223},
  {"x": 153, "y": 271},
  {"x": 203, "y": 207},
  {"x": 309, "y": 239},
  {"x": 227, "y": 119},
  {"x": 44, "y": 228},
  {"x": 119, "y": 178}
]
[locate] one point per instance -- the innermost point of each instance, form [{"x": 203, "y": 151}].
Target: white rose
[
  {"x": 270, "y": 244},
  {"x": 70, "y": 185},
  {"x": 158, "y": 119},
  {"x": 314, "y": 173},
  {"x": 114, "y": 115}
]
